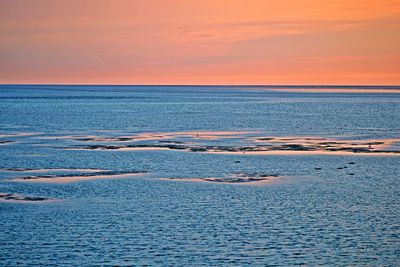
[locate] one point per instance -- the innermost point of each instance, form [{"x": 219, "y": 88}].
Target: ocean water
[{"x": 317, "y": 215}]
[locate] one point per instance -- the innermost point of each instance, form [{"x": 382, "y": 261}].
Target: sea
[{"x": 199, "y": 197}]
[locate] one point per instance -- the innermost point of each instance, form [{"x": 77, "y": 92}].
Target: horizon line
[{"x": 207, "y": 85}]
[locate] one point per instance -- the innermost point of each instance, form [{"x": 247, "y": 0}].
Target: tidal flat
[{"x": 199, "y": 175}]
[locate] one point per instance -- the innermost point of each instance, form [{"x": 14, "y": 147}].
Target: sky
[{"x": 200, "y": 42}]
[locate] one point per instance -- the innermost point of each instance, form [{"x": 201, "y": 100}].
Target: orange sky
[{"x": 200, "y": 42}]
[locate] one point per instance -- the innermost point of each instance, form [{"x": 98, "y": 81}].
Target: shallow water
[{"x": 317, "y": 215}]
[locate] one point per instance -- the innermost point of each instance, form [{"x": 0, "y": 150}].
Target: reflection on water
[{"x": 310, "y": 209}]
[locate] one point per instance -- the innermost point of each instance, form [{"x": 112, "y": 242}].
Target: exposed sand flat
[
  {"x": 17, "y": 198},
  {"x": 387, "y": 143},
  {"x": 212, "y": 180},
  {"x": 114, "y": 148},
  {"x": 204, "y": 135},
  {"x": 154, "y": 136},
  {"x": 49, "y": 170},
  {"x": 142, "y": 148},
  {"x": 212, "y": 135},
  {"x": 282, "y": 149},
  {"x": 337, "y": 90},
  {"x": 264, "y": 145},
  {"x": 97, "y": 138},
  {"x": 5, "y": 142},
  {"x": 147, "y": 136},
  {"x": 316, "y": 140},
  {"x": 73, "y": 178},
  {"x": 218, "y": 133},
  {"x": 27, "y": 201},
  {"x": 286, "y": 139},
  {"x": 55, "y": 137},
  {"x": 327, "y": 145},
  {"x": 20, "y": 134},
  {"x": 299, "y": 152}
]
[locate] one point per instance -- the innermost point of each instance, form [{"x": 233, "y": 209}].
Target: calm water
[{"x": 323, "y": 217}]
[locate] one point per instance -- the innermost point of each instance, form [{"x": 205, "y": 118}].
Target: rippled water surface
[{"x": 324, "y": 209}]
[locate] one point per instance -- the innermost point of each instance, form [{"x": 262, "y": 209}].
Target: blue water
[{"x": 324, "y": 217}]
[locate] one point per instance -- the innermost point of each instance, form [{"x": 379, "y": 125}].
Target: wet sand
[
  {"x": 326, "y": 146},
  {"x": 5, "y": 142},
  {"x": 49, "y": 170},
  {"x": 263, "y": 145},
  {"x": 290, "y": 138},
  {"x": 119, "y": 148},
  {"x": 303, "y": 153},
  {"x": 206, "y": 135},
  {"x": 308, "y": 140},
  {"x": 235, "y": 179},
  {"x": 72, "y": 137},
  {"x": 153, "y": 136},
  {"x": 17, "y": 198},
  {"x": 280, "y": 147},
  {"x": 212, "y": 135},
  {"x": 62, "y": 179},
  {"x": 219, "y": 181},
  {"x": 142, "y": 148},
  {"x": 19, "y": 134}
]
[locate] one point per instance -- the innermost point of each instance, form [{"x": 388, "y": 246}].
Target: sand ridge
[
  {"x": 70, "y": 178},
  {"x": 49, "y": 170},
  {"x": 18, "y": 134},
  {"x": 271, "y": 146},
  {"x": 18, "y": 198},
  {"x": 233, "y": 179},
  {"x": 153, "y": 136}
]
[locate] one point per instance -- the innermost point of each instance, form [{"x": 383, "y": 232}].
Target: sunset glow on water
[
  {"x": 132, "y": 175},
  {"x": 199, "y": 133}
]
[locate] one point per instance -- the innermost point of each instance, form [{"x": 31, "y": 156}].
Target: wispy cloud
[
  {"x": 158, "y": 39},
  {"x": 239, "y": 31}
]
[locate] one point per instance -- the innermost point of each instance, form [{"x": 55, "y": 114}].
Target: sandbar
[
  {"x": 21, "y": 134},
  {"x": 5, "y": 142},
  {"x": 153, "y": 136},
  {"x": 17, "y": 198},
  {"x": 49, "y": 170},
  {"x": 235, "y": 179},
  {"x": 294, "y": 152},
  {"x": 62, "y": 179}
]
